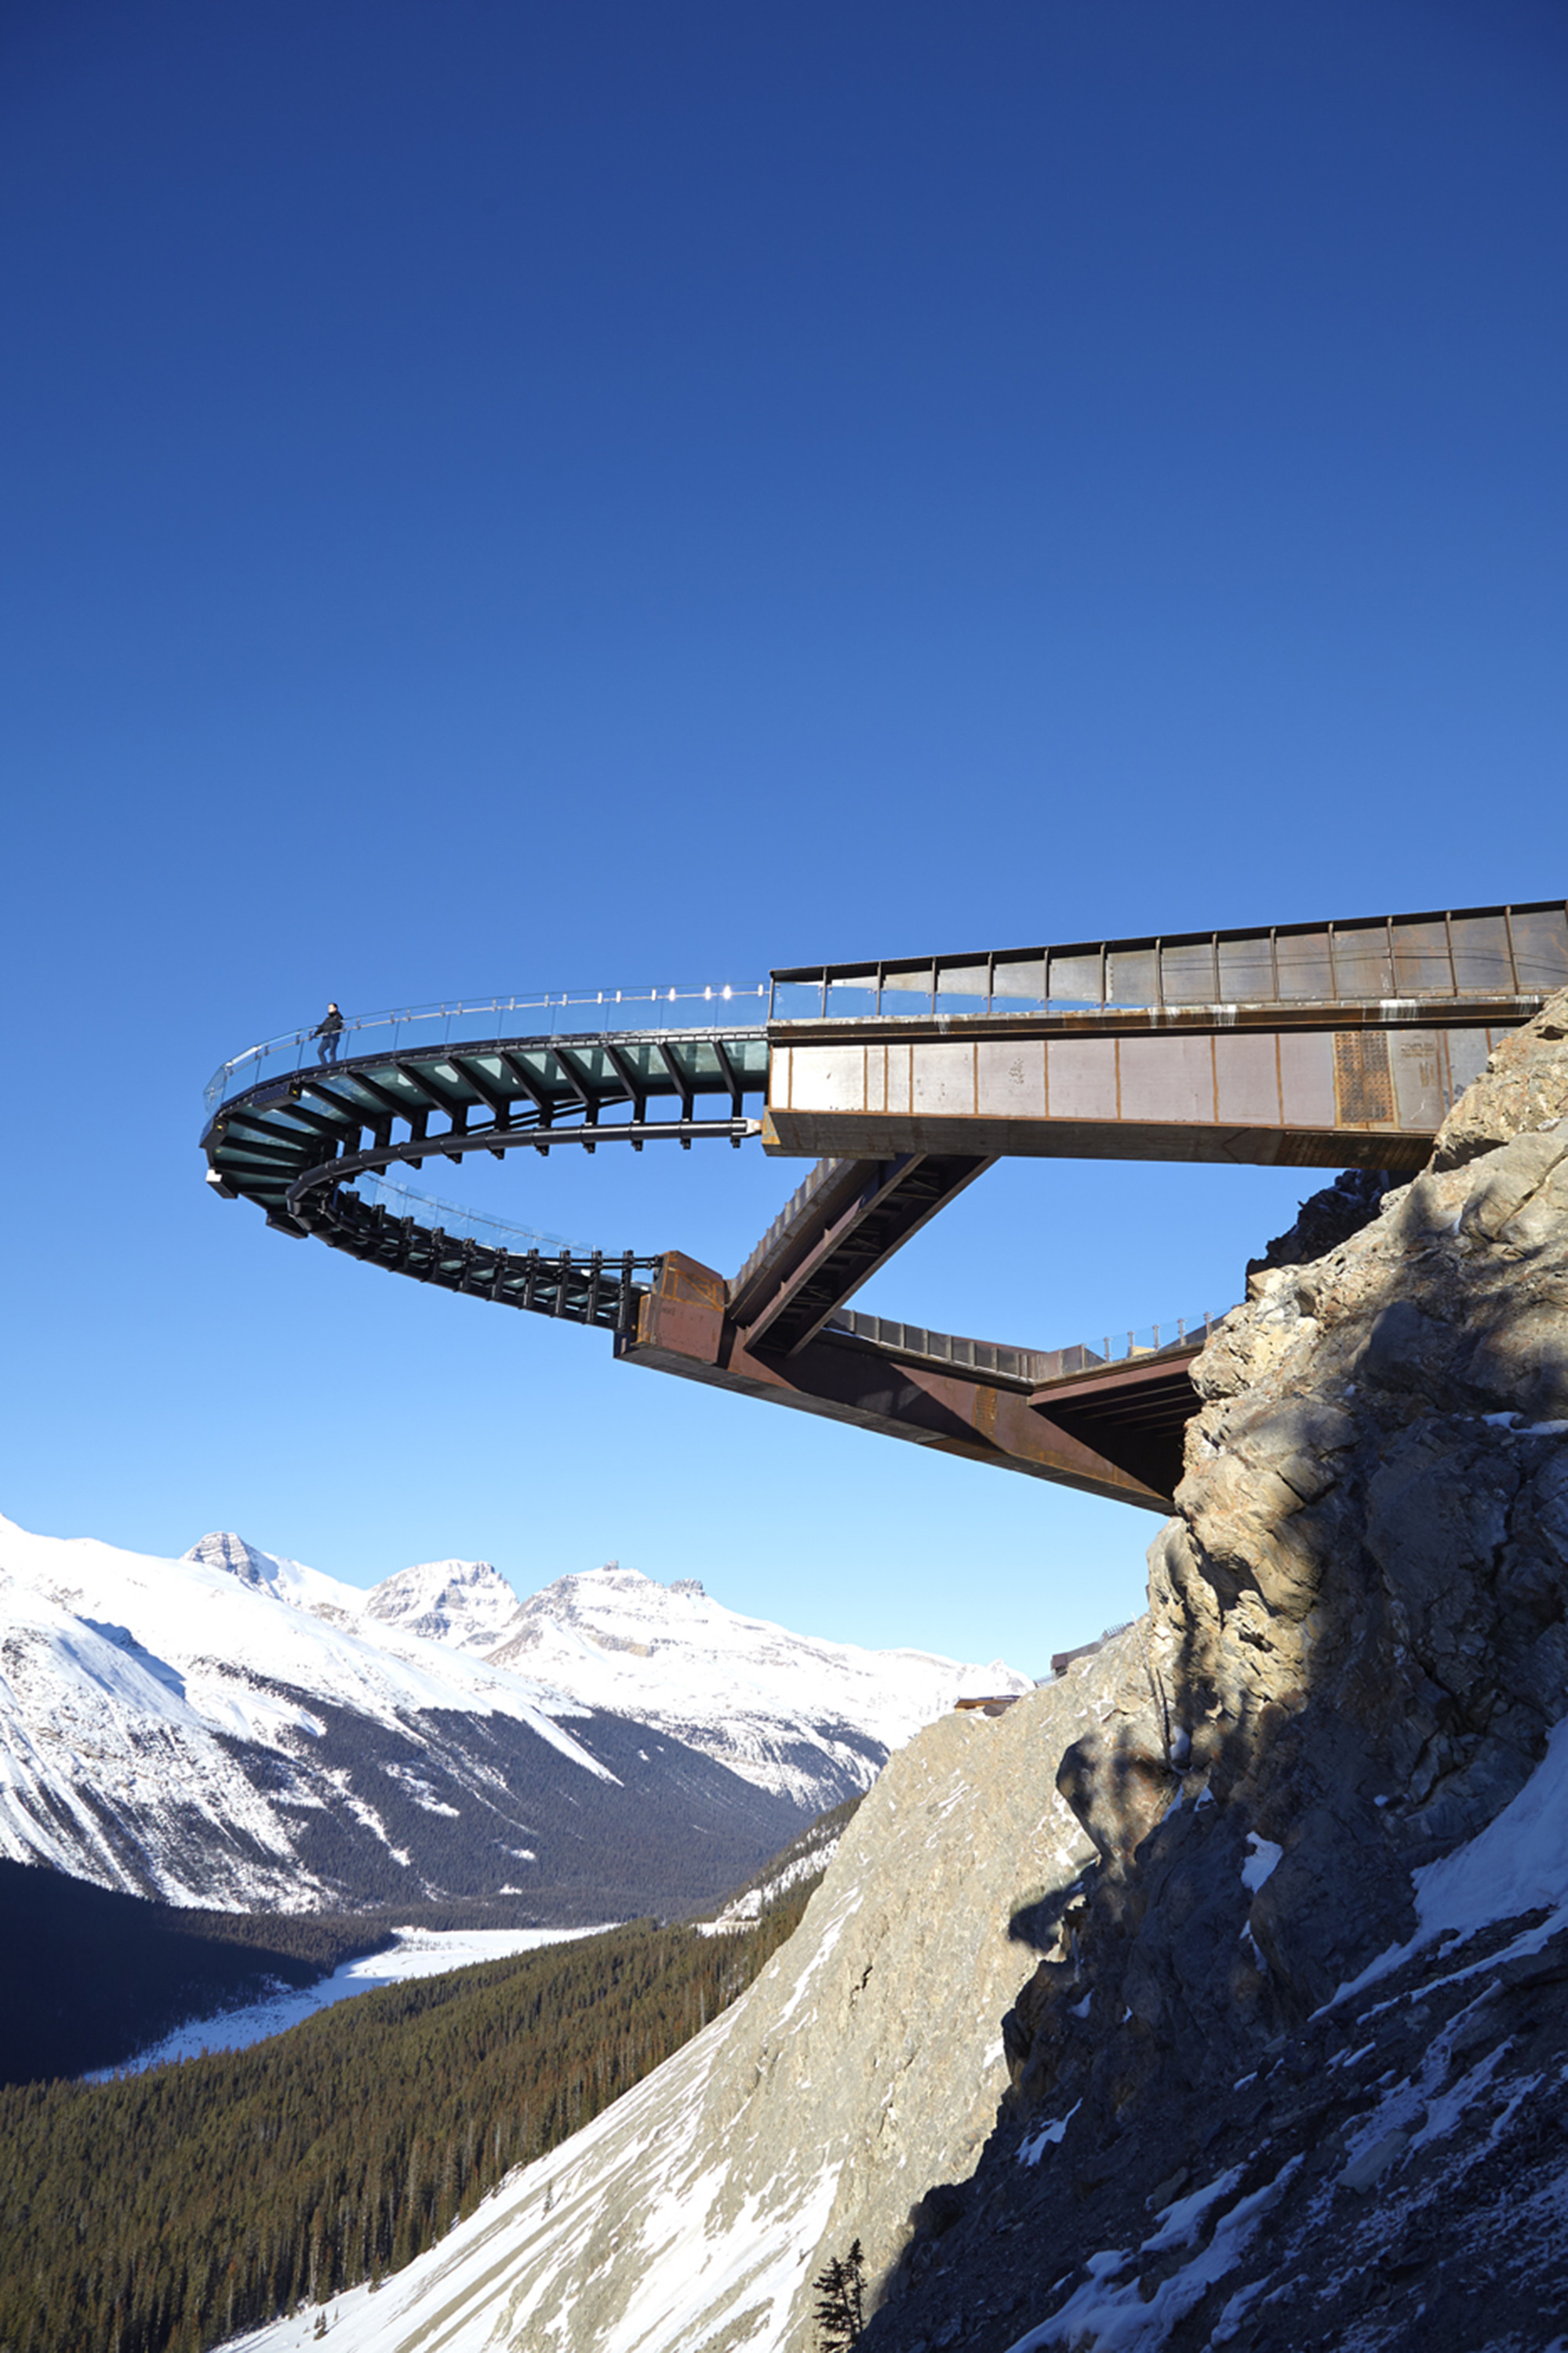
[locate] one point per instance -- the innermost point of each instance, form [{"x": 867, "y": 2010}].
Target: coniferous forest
[{"x": 163, "y": 2212}]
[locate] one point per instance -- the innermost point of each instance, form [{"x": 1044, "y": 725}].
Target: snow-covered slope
[
  {"x": 232, "y": 1729},
  {"x": 864, "y": 2064},
  {"x": 811, "y": 1719},
  {"x": 279, "y": 1578},
  {"x": 464, "y": 1604},
  {"x": 236, "y": 1728}
]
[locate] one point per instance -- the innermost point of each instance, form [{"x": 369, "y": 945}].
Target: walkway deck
[{"x": 1333, "y": 1045}]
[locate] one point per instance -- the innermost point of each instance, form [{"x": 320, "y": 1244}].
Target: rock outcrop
[{"x": 1357, "y": 1651}]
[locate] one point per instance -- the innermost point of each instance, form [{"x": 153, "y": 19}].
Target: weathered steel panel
[
  {"x": 1082, "y": 1078},
  {"x": 943, "y": 1077},
  {"x": 1467, "y": 1052},
  {"x": 1189, "y": 972},
  {"x": 1246, "y": 1073},
  {"x": 1130, "y": 977},
  {"x": 1482, "y": 960},
  {"x": 862, "y": 1136},
  {"x": 1418, "y": 1078},
  {"x": 1075, "y": 977},
  {"x": 1307, "y": 1078},
  {"x": 682, "y": 1330},
  {"x": 1363, "y": 1082},
  {"x": 1169, "y": 1078},
  {"x": 1246, "y": 968},
  {"x": 1540, "y": 947},
  {"x": 1306, "y": 966},
  {"x": 1362, "y": 964},
  {"x": 828, "y": 1078},
  {"x": 1020, "y": 976},
  {"x": 1421, "y": 960},
  {"x": 1010, "y": 1079}
]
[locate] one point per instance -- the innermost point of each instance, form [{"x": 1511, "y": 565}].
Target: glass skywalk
[{"x": 563, "y": 1013}]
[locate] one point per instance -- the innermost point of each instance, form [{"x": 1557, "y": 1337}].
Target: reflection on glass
[
  {"x": 1188, "y": 972},
  {"x": 1129, "y": 977},
  {"x": 1360, "y": 960},
  {"x": 1421, "y": 958},
  {"x": 907, "y": 989},
  {"x": 1540, "y": 948},
  {"x": 962, "y": 988},
  {"x": 852, "y": 997},
  {"x": 1075, "y": 977},
  {"x": 797, "y": 1000},
  {"x": 1481, "y": 960}
]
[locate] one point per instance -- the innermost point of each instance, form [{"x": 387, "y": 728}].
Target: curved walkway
[{"x": 1326, "y": 1045}]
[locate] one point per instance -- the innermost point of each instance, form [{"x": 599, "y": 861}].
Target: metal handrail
[
  {"x": 615, "y": 1009},
  {"x": 457, "y": 1223}
]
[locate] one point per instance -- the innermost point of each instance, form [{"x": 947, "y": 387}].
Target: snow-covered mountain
[
  {"x": 465, "y": 1603},
  {"x": 236, "y": 1728},
  {"x": 784, "y": 1711}
]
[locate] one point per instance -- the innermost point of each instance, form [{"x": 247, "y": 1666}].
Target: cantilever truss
[{"x": 1311, "y": 1045}]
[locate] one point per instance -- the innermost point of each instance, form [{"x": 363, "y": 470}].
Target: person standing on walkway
[{"x": 329, "y": 1031}]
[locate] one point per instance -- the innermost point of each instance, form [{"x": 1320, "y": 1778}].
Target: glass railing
[
  {"x": 1482, "y": 951},
  {"x": 1152, "y": 1339},
  {"x": 459, "y": 1224},
  {"x": 1036, "y": 1365},
  {"x": 556, "y": 1013}
]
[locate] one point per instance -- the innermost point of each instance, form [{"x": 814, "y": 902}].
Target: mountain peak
[
  {"x": 223, "y": 1549},
  {"x": 463, "y": 1603}
]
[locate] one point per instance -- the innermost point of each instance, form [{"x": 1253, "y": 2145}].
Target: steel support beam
[
  {"x": 682, "y": 1327},
  {"x": 1327, "y": 1098},
  {"x": 846, "y": 1229}
]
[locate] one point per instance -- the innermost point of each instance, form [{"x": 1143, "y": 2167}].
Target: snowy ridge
[
  {"x": 780, "y": 1709},
  {"x": 236, "y": 1728},
  {"x": 131, "y": 1689}
]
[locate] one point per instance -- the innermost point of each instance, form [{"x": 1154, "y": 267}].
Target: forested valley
[
  {"x": 88, "y": 1976},
  {"x": 163, "y": 2212}
]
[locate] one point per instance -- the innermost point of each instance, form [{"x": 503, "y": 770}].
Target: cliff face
[
  {"x": 1338, "y": 1762},
  {"x": 865, "y": 2064},
  {"x": 1255, "y": 1924}
]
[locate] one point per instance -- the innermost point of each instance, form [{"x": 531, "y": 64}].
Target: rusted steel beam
[
  {"x": 1327, "y": 1099},
  {"x": 1135, "y": 1412},
  {"x": 1444, "y": 956},
  {"x": 684, "y": 1327},
  {"x": 847, "y": 1228}
]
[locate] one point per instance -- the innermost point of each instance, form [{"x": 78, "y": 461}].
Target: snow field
[{"x": 418, "y": 1953}]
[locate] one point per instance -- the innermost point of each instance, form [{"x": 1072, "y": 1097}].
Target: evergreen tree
[{"x": 840, "y": 2313}]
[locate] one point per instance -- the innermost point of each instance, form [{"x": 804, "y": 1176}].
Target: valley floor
[{"x": 417, "y": 1953}]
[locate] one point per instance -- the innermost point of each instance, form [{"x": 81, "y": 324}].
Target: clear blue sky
[{"x": 511, "y": 496}]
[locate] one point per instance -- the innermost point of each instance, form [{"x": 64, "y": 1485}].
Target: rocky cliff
[
  {"x": 1290, "y": 2073},
  {"x": 1217, "y": 1994},
  {"x": 863, "y": 2066}
]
